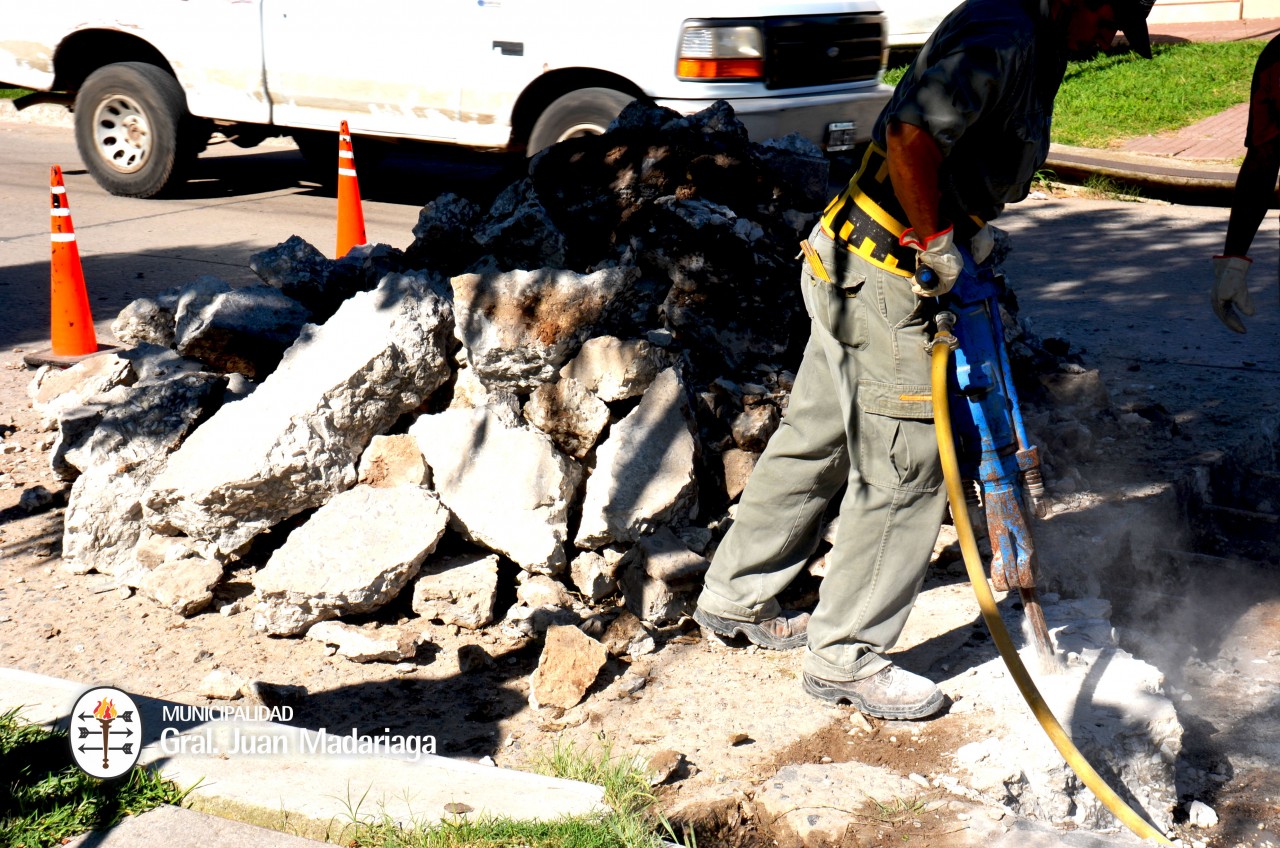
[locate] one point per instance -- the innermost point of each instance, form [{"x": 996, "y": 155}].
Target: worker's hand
[
  {"x": 981, "y": 245},
  {"x": 1230, "y": 292},
  {"x": 938, "y": 252}
]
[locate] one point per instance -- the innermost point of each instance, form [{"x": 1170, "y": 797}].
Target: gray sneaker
[
  {"x": 781, "y": 633},
  {"x": 889, "y": 693}
]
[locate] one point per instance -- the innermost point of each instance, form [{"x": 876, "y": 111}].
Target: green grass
[
  {"x": 630, "y": 824},
  {"x": 11, "y": 93},
  {"x": 45, "y": 798},
  {"x": 1108, "y": 99}
]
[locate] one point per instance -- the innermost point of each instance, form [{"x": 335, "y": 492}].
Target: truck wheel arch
[
  {"x": 83, "y": 52},
  {"x": 555, "y": 89}
]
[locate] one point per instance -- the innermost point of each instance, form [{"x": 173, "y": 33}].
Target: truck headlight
[{"x": 720, "y": 53}]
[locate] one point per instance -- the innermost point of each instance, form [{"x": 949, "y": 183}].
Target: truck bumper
[{"x": 811, "y": 115}]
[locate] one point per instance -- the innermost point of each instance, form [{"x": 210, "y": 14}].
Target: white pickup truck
[{"x": 150, "y": 81}]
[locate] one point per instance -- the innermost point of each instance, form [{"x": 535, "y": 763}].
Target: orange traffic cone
[
  {"x": 350, "y": 216},
  {"x": 71, "y": 327}
]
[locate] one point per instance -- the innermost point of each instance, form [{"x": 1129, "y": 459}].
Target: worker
[
  {"x": 1254, "y": 192},
  {"x": 963, "y": 134}
]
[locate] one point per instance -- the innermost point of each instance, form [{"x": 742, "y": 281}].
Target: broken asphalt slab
[{"x": 312, "y": 792}]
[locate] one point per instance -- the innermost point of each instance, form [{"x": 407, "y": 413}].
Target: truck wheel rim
[
  {"x": 581, "y": 129},
  {"x": 122, "y": 134}
]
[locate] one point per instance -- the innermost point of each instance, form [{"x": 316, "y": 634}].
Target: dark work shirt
[
  {"x": 1264, "y": 98},
  {"x": 983, "y": 88}
]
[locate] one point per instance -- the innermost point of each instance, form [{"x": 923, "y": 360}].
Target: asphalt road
[{"x": 241, "y": 202}]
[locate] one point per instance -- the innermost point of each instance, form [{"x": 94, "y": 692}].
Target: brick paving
[{"x": 1218, "y": 137}]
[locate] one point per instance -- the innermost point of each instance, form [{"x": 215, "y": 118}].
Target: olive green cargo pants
[{"x": 859, "y": 413}]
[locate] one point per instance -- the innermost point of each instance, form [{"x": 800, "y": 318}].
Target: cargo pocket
[
  {"x": 897, "y": 444},
  {"x": 837, "y": 306}
]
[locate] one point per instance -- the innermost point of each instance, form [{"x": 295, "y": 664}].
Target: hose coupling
[{"x": 945, "y": 322}]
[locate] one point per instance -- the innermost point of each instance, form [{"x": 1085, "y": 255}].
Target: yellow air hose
[{"x": 987, "y": 602}]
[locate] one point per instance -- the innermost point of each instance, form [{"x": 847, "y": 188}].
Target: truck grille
[{"x": 822, "y": 49}]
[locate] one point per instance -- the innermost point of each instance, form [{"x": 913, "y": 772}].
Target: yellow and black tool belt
[{"x": 867, "y": 219}]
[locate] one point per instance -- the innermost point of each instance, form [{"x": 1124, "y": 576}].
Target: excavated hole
[{"x": 1205, "y": 609}]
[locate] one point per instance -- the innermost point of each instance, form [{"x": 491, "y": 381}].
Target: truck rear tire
[
  {"x": 133, "y": 129},
  {"x": 586, "y": 111}
]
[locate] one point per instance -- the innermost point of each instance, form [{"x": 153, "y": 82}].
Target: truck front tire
[
  {"x": 133, "y": 129},
  {"x": 586, "y": 111}
]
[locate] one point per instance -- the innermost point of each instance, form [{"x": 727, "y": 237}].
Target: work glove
[
  {"x": 1230, "y": 291},
  {"x": 981, "y": 245},
  {"x": 939, "y": 253}
]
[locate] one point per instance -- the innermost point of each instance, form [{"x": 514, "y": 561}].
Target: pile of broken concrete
[{"x": 567, "y": 390}]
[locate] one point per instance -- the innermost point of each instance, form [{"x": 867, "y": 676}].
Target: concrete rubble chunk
[
  {"x": 220, "y": 685},
  {"x": 54, "y": 390},
  {"x": 754, "y": 425},
  {"x": 644, "y": 474},
  {"x": 795, "y": 161},
  {"x": 184, "y": 586},
  {"x": 393, "y": 461},
  {"x": 570, "y": 662},
  {"x": 507, "y": 486},
  {"x": 525, "y": 622},
  {"x": 245, "y": 330},
  {"x": 295, "y": 441},
  {"x": 321, "y": 284},
  {"x": 570, "y": 414},
  {"x": 153, "y": 320},
  {"x": 518, "y": 232},
  {"x": 470, "y": 393},
  {"x": 659, "y": 575},
  {"x": 473, "y": 658},
  {"x": 365, "y": 644},
  {"x": 127, "y": 445},
  {"x": 539, "y": 590},
  {"x": 1200, "y": 814},
  {"x": 461, "y": 591},
  {"x": 738, "y": 465},
  {"x": 186, "y": 301},
  {"x": 444, "y": 234},
  {"x": 626, "y": 636},
  {"x": 662, "y": 765},
  {"x": 593, "y": 576},
  {"x": 613, "y": 368},
  {"x": 352, "y": 555},
  {"x": 519, "y": 327}
]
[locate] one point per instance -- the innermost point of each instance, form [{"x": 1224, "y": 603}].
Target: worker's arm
[
  {"x": 914, "y": 162},
  {"x": 1254, "y": 192},
  {"x": 1255, "y": 189}
]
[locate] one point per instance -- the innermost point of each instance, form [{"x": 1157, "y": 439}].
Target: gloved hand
[
  {"x": 1230, "y": 292},
  {"x": 940, "y": 253},
  {"x": 981, "y": 245}
]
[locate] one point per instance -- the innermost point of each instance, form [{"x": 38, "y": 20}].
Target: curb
[
  {"x": 308, "y": 793},
  {"x": 1201, "y": 182}
]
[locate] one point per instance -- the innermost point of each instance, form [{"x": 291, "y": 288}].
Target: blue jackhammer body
[{"x": 991, "y": 440}]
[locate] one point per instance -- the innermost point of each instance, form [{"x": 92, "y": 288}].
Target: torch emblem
[{"x": 105, "y": 722}]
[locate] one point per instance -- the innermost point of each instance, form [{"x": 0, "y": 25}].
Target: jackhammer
[
  {"x": 992, "y": 471},
  {"x": 999, "y": 465}
]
